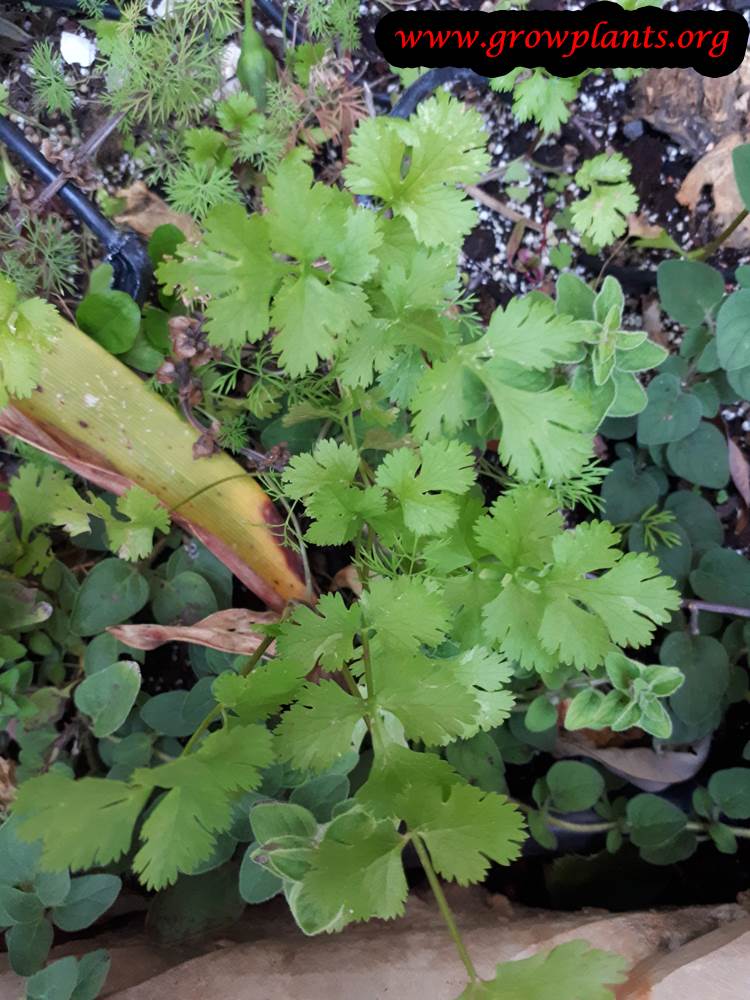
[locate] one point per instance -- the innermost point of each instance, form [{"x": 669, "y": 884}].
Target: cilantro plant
[
  {"x": 540, "y": 97},
  {"x": 505, "y": 596},
  {"x": 463, "y": 606}
]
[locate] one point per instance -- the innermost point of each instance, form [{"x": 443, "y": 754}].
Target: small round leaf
[
  {"x": 671, "y": 413},
  {"x": 107, "y": 696},
  {"x": 110, "y": 318},
  {"x": 574, "y": 786},
  {"x": 730, "y": 790}
]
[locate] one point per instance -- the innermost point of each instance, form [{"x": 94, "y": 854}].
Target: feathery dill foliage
[
  {"x": 217, "y": 17},
  {"x": 91, "y": 8},
  {"x": 38, "y": 254},
  {"x": 162, "y": 76},
  {"x": 196, "y": 188},
  {"x": 52, "y": 92},
  {"x": 332, "y": 19},
  {"x": 263, "y": 139},
  {"x": 234, "y": 432}
]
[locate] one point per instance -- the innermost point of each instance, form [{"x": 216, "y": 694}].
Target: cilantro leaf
[
  {"x": 180, "y": 831},
  {"x": 232, "y": 270},
  {"x": 45, "y": 495},
  {"x": 569, "y": 598},
  {"x": 484, "y": 674},
  {"x": 323, "y": 310},
  {"x": 571, "y": 971},
  {"x": 412, "y": 166},
  {"x": 433, "y": 706},
  {"x": 505, "y": 530},
  {"x": 394, "y": 770},
  {"x": 539, "y": 97},
  {"x": 134, "y": 538},
  {"x": 99, "y": 818},
  {"x": 358, "y": 868},
  {"x": 602, "y": 214},
  {"x": 530, "y": 332},
  {"x": 26, "y": 328},
  {"x": 325, "y": 480},
  {"x": 325, "y": 634},
  {"x": 405, "y": 612},
  {"x": 420, "y": 483},
  {"x": 181, "y": 828},
  {"x": 542, "y": 433},
  {"x": 331, "y": 245},
  {"x": 464, "y": 831},
  {"x": 262, "y": 692},
  {"x": 318, "y": 729}
]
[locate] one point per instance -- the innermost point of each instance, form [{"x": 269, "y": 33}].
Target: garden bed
[{"x": 373, "y": 499}]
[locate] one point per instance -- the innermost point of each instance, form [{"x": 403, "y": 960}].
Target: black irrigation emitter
[
  {"x": 124, "y": 250},
  {"x": 109, "y": 10}
]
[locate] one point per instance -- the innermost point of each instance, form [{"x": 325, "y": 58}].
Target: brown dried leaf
[
  {"x": 641, "y": 766},
  {"x": 7, "y": 782},
  {"x": 715, "y": 170},
  {"x": 652, "y": 322},
  {"x": 231, "y": 631},
  {"x": 639, "y": 226},
  {"x": 347, "y": 579},
  {"x": 739, "y": 470},
  {"x": 146, "y": 211}
]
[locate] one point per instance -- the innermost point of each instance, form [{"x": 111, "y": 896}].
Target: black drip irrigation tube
[
  {"x": 109, "y": 10},
  {"x": 428, "y": 83},
  {"x": 123, "y": 250},
  {"x": 289, "y": 25}
]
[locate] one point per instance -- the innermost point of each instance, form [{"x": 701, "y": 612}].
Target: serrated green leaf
[
  {"x": 26, "y": 328},
  {"x": 465, "y": 830},
  {"x": 412, "y": 166},
  {"x": 318, "y": 729},
  {"x": 100, "y": 816},
  {"x": 571, "y": 971},
  {"x": 357, "y": 869}
]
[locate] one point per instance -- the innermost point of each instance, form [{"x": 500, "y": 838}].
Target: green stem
[
  {"x": 557, "y": 823},
  {"x": 350, "y": 682},
  {"x": 702, "y": 253},
  {"x": 743, "y": 832},
  {"x": 445, "y": 910},
  {"x": 212, "y": 716},
  {"x": 367, "y": 661},
  {"x": 564, "y": 824},
  {"x": 216, "y": 711}
]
